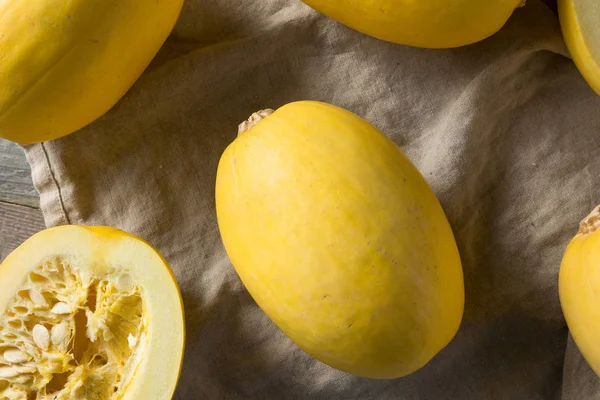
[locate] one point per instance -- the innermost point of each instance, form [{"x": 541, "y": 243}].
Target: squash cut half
[{"x": 88, "y": 313}]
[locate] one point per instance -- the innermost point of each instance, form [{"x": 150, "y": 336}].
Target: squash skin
[
  {"x": 579, "y": 49},
  {"x": 426, "y": 23},
  {"x": 67, "y": 62},
  {"x": 340, "y": 240},
  {"x": 579, "y": 289}
]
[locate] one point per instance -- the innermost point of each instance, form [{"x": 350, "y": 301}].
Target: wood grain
[
  {"x": 15, "y": 176},
  {"x": 17, "y": 223},
  {"x": 20, "y": 216}
]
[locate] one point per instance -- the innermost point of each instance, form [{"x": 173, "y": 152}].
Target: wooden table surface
[{"x": 20, "y": 215}]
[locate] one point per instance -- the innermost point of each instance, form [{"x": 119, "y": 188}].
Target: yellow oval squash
[
  {"x": 421, "y": 23},
  {"x": 580, "y": 24},
  {"x": 579, "y": 288},
  {"x": 88, "y": 313},
  {"x": 64, "y": 63},
  {"x": 340, "y": 240}
]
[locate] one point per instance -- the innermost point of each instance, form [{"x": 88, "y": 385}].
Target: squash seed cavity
[{"x": 66, "y": 335}]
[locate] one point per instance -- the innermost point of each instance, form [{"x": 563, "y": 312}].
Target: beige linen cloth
[{"x": 506, "y": 132}]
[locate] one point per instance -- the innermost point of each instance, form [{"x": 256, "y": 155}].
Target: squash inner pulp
[
  {"x": 588, "y": 14},
  {"x": 67, "y": 335}
]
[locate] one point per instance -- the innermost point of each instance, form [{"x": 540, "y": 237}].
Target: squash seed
[
  {"x": 60, "y": 336},
  {"x": 15, "y": 356},
  {"x": 38, "y": 298},
  {"x": 62, "y": 309},
  {"x": 41, "y": 336}
]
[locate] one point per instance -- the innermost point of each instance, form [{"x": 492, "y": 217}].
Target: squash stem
[
  {"x": 591, "y": 223},
  {"x": 253, "y": 120}
]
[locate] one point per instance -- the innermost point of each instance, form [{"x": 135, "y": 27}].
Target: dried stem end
[
  {"x": 253, "y": 120},
  {"x": 591, "y": 223}
]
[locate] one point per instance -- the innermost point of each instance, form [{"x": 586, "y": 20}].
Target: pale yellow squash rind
[
  {"x": 95, "y": 250},
  {"x": 64, "y": 63},
  {"x": 340, "y": 240},
  {"x": 423, "y": 23},
  {"x": 583, "y": 41}
]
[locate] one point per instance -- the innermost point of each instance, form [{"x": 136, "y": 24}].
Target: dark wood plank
[
  {"x": 17, "y": 223},
  {"x": 15, "y": 176}
]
